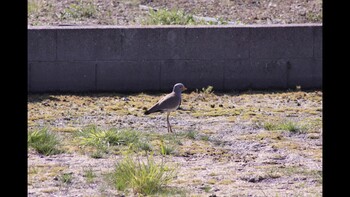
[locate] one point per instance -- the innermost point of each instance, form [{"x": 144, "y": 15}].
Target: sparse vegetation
[
  {"x": 191, "y": 135},
  {"x": 134, "y": 12},
  {"x": 211, "y": 150},
  {"x": 34, "y": 6},
  {"x": 165, "y": 17},
  {"x": 165, "y": 149},
  {"x": 177, "y": 17},
  {"x": 79, "y": 10},
  {"x": 89, "y": 175},
  {"x": 144, "y": 146},
  {"x": 208, "y": 90},
  {"x": 44, "y": 142},
  {"x": 286, "y": 126},
  {"x": 206, "y": 188},
  {"x": 102, "y": 139},
  {"x": 66, "y": 178},
  {"x": 204, "y": 137},
  {"x": 146, "y": 178}
]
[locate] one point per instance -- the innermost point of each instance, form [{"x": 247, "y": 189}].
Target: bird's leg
[{"x": 167, "y": 120}]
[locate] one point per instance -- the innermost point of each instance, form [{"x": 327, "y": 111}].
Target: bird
[{"x": 168, "y": 103}]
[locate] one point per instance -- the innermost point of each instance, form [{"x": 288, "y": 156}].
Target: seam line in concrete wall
[
  {"x": 287, "y": 74},
  {"x": 96, "y": 77},
  {"x": 250, "y": 41},
  {"x": 56, "y": 44},
  {"x": 223, "y": 77},
  {"x": 122, "y": 37},
  {"x": 313, "y": 42},
  {"x": 160, "y": 76},
  {"x": 29, "y": 77}
]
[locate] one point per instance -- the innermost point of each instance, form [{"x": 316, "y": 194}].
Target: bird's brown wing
[{"x": 169, "y": 102}]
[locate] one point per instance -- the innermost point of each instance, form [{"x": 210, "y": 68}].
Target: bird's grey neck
[{"x": 177, "y": 91}]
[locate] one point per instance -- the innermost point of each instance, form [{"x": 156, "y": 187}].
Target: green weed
[
  {"x": 286, "y": 126},
  {"x": 66, "y": 178},
  {"x": 92, "y": 136},
  {"x": 81, "y": 9},
  {"x": 143, "y": 177},
  {"x": 44, "y": 142},
  {"x": 89, "y": 175}
]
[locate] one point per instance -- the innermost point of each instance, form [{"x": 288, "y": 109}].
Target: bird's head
[{"x": 179, "y": 87}]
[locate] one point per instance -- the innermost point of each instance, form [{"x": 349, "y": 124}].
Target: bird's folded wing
[{"x": 169, "y": 102}]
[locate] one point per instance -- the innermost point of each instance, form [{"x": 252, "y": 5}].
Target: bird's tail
[{"x": 147, "y": 112}]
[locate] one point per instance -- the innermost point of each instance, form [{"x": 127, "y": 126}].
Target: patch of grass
[
  {"x": 144, "y": 146},
  {"x": 196, "y": 181},
  {"x": 206, "y": 188},
  {"x": 89, "y": 175},
  {"x": 165, "y": 149},
  {"x": 34, "y": 6},
  {"x": 300, "y": 172},
  {"x": 145, "y": 178},
  {"x": 217, "y": 112},
  {"x": 191, "y": 135},
  {"x": 32, "y": 170},
  {"x": 178, "y": 17},
  {"x": 274, "y": 174},
  {"x": 199, "y": 168},
  {"x": 44, "y": 142},
  {"x": 212, "y": 181},
  {"x": 92, "y": 136},
  {"x": 97, "y": 154},
  {"x": 66, "y": 129},
  {"x": 104, "y": 141},
  {"x": 314, "y": 17},
  {"x": 285, "y": 126},
  {"x": 66, "y": 178},
  {"x": 172, "y": 17},
  {"x": 204, "y": 137},
  {"x": 225, "y": 182},
  {"x": 207, "y": 90},
  {"x": 79, "y": 10}
]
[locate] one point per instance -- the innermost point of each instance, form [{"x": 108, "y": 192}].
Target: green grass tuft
[
  {"x": 92, "y": 136},
  {"x": 191, "y": 135},
  {"x": 165, "y": 149},
  {"x": 173, "y": 17},
  {"x": 204, "y": 137},
  {"x": 208, "y": 90},
  {"x": 285, "y": 126},
  {"x": 177, "y": 17},
  {"x": 143, "y": 177},
  {"x": 144, "y": 146},
  {"x": 44, "y": 142},
  {"x": 66, "y": 178},
  {"x": 82, "y": 9},
  {"x": 89, "y": 175}
]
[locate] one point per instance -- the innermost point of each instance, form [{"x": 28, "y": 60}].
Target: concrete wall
[{"x": 135, "y": 59}]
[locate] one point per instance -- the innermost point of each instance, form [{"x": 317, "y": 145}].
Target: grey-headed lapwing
[{"x": 168, "y": 103}]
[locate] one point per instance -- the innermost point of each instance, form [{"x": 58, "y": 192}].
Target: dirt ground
[
  {"x": 240, "y": 148},
  {"x": 235, "y": 151},
  {"x": 133, "y": 12}
]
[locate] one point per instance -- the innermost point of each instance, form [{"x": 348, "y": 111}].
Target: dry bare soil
[
  {"x": 134, "y": 12},
  {"x": 242, "y": 144}
]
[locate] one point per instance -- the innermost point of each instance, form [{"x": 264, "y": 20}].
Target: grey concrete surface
[{"x": 154, "y": 58}]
